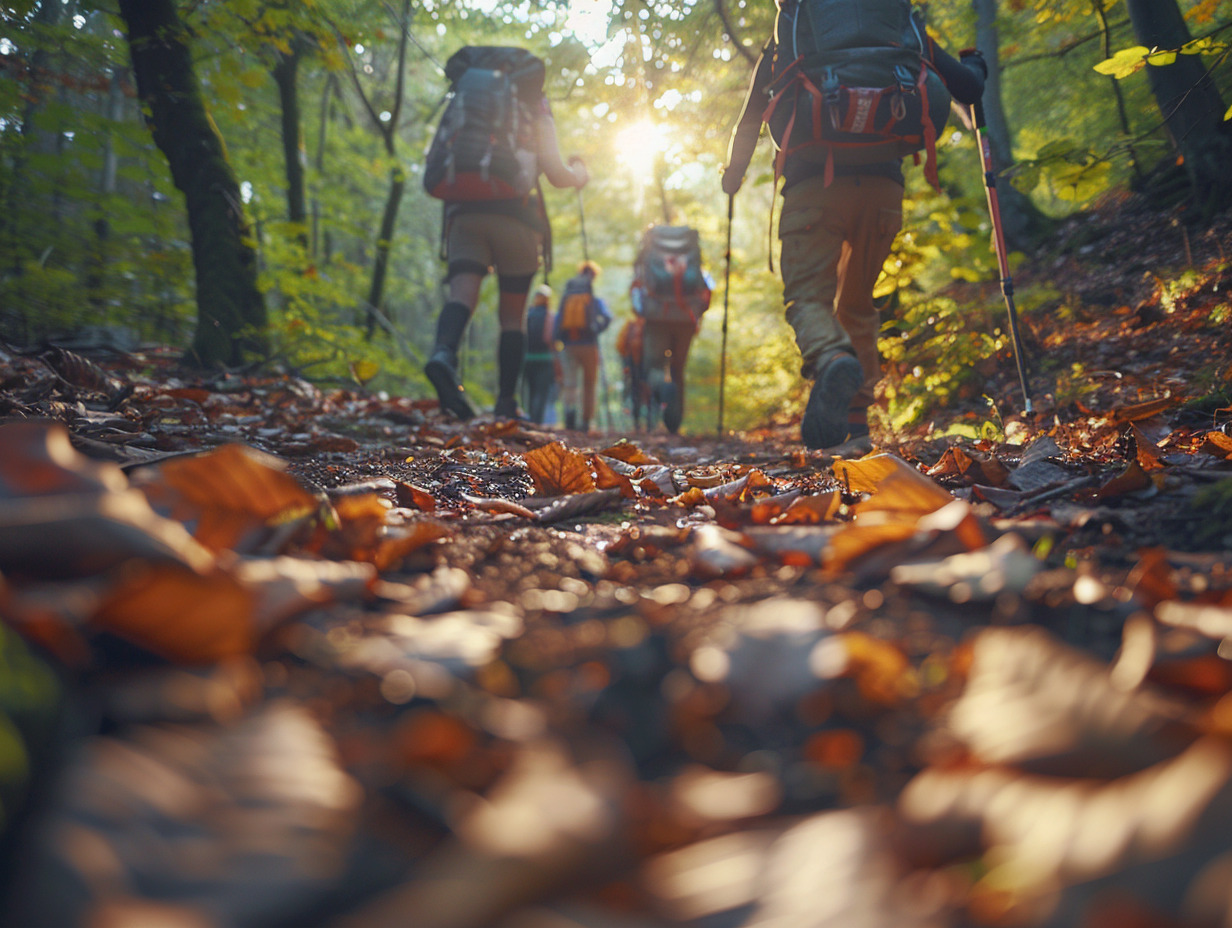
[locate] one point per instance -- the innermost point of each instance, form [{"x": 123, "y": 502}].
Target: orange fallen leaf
[
  {"x": 894, "y": 484},
  {"x": 228, "y": 492},
  {"x": 180, "y": 615},
  {"x": 1145, "y": 410},
  {"x": 558, "y": 471},
  {"x": 625, "y": 450},
  {"x": 606, "y": 478},
  {"x": 811, "y": 510},
  {"x": 1217, "y": 444}
]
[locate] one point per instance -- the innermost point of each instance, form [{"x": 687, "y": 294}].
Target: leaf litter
[{"x": 285, "y": 656}]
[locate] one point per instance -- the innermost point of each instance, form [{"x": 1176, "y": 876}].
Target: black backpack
[
  {"x": 851, "y": 84},
  {"x": 485, "y": 144},
  {"x": 669, "y": 266}
]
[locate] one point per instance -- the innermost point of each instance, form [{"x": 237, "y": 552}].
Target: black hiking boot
[
  {"x": 442, "y": 371},
  {"x": 825, "y": 416},
  {"x": 442, "y": 366},
  {"x": 673, "y": 407},
  {"x": 507, "y": 408}
]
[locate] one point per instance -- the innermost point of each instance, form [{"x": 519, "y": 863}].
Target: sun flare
[{"x": 638, "y": 146}]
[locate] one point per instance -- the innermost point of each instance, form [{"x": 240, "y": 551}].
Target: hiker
[
  {"x": 541, "y": 368},
  {"x": 670, "y": 292},
  {"x": 842, "y": 203},
  {"x": 580, "y": 318},
  {"x": 495, "y": 138},
  {"x": 629, "y": 347}
]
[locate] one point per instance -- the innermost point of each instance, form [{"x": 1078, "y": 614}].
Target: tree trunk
[
  {"x": 1023, "y": 223},
  {"x": 231, "y": 317},
  {"x": 1190, "y": 103},
  {"x": 286, "y": 76},
  {"x": 380, "y": 265}
]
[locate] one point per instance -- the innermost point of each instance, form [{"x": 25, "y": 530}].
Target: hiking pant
[
  {"x": 665, "y": 350},
  {"x": 538, "y": 375},
  {"x": 835, "y": 240},
  {"x": 581, "y": 363}
]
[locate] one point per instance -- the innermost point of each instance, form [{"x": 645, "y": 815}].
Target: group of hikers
[{"x": 846, "y": 88}]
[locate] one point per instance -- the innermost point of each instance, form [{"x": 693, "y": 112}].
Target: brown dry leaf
[
  {"x": 811, "y": 510},
  {"x": 229, "y": 492},
  {"x": 895, "y": 485},
  {"x": 1151, "y": 579},
  {"x": 856, "y": 540},
  {"x": 625, "y": 450},
  {"x": 38, "y": 460},
  {"x": 1149, "y": 453},
  {"x": 1217, "y": 444},
  {"x": 180, "y": 615},
  {"x": 410, "y": 496},
  {"x": 1131, "y": 480},
  {"x": 973, "y": 466},
  {"x": 880, "y": 669},
  {"x": 690, "y": 498},
  {"x": 497, "y": 504},
  {"x": 607, "y": 479},
  {"x": 1146, "y": 410},
  {"x": 401, "y": 542},
  {"x": 558, "y": 471}
]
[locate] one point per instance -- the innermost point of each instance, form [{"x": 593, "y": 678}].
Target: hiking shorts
[{"x": 491, "y": 240}]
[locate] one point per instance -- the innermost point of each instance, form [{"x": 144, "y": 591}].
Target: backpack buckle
[{"x": 906, "y": 82}]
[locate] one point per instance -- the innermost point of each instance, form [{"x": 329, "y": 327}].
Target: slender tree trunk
[
  {"x": 380, "y": 265},
  {"x": 397, "y": 176},
  {"x": 1190, "y": 103},
  {"x": 1023, "y": 223},
  {"x": 286, "y": 76},
  {"x": 231, "y": 316},
  {"x": 96, "y": 274}
]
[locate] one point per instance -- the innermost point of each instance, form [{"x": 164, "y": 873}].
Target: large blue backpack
[
  {"x": 485, "y": 146},
  {"x": 851, "y": 84}
]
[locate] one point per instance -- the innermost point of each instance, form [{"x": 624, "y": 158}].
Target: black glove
[
  {"x": 732, "y": 181},
  {"x": 973, "y": 59}
]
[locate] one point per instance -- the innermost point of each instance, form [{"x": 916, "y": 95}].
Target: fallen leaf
[
  {"x": 894, "y": 484},
  {"x": 178, "y": 614},
  {"x": 229, "y": 493},
  {"x": 557, "y": 470},
  {"x": 606, "y": 478}
]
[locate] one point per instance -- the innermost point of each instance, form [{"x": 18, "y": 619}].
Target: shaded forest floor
[{"x": 409, "y": 671}]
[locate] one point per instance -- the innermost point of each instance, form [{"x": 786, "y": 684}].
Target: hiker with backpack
[
  {"x": 670, "y": 292},
  {"x": 541, "y": 369},
  {"x": 495, "y": 137},
  {"x": 847, "y": 88},
  {"x": 580, "y": 319}
]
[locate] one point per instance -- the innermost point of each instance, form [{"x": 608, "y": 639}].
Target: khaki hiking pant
[
  {"x": 835, "y": 240},
  {"x": 581, "y": 369}
]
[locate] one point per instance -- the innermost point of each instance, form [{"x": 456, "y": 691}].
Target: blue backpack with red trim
[
  {"x": 851, "y": 84},
  {"x": 485, "y": 146}
]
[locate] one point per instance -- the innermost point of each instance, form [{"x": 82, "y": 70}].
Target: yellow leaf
[
  {"x": 1160, "y": 59},
  {"x": 1125, "y": 62}
]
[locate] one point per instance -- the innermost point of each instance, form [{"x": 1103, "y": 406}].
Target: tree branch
[{"x": 721, "y": 8}]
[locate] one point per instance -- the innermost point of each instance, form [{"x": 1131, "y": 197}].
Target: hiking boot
[
  {"x": 825, "y": 416},
  {"x": 856, "y": 446},
  {"x": 673, "y": 408},
  {"x": 507, "y": 408},
  {"x": 571, "y": 419},
  {"x": 442, "y": 371}
]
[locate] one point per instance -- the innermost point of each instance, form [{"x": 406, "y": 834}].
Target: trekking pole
[
  {"x": 731, "y": 209},
  {"x": 998, "y": 232},
  {"x": 582, "y": 223}
]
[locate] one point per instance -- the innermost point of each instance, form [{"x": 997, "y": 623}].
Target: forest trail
[{"x": 329, "y": 658}]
